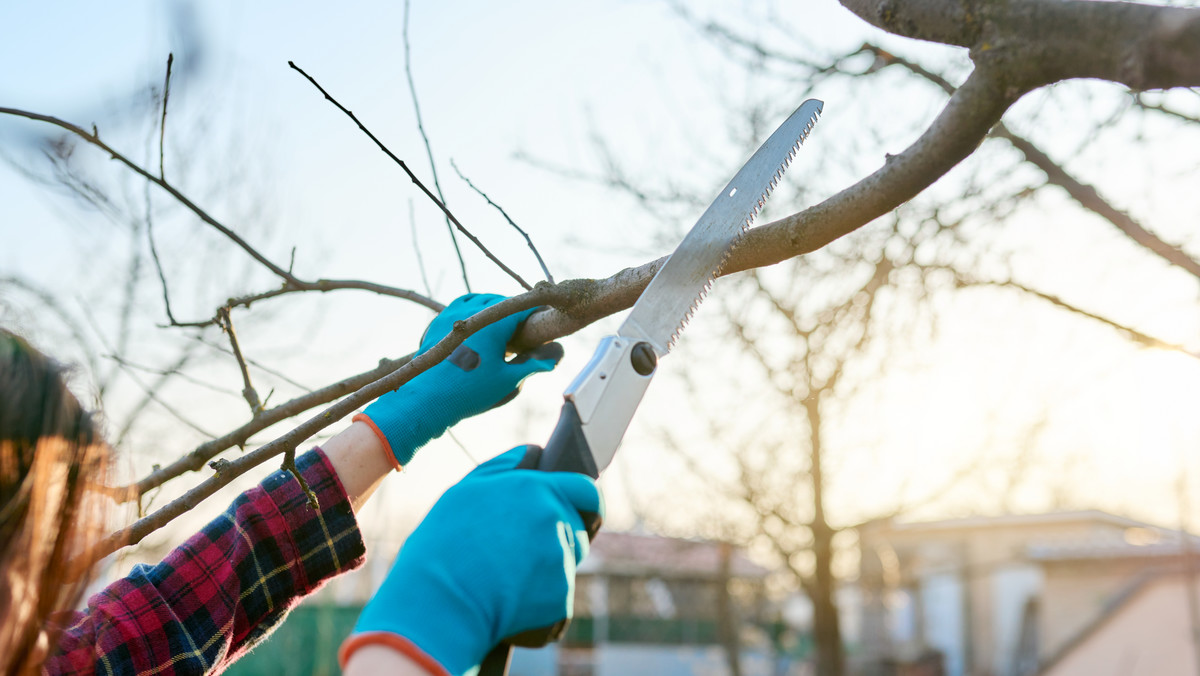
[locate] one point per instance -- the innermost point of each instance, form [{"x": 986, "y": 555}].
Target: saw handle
[
  {"x": 566, "y": 451},
  {"x": 599, "y": 405}
]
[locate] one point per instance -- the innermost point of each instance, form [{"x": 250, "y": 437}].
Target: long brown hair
[{"x": 50, "y": 453}]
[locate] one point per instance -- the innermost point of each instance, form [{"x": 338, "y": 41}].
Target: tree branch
[
  {"x": 950, "y": 22},
  {"x": 1045, "y": 41},
  {"x": 248, "y": 391},
  {"x": 1170, "y": 112},
  {"x": 1135, "y": 335},
  {"x": 196, "y": 459},
  {"x": 228, "y": 470},
  {"x": 256, "y": 364},
  {"x": 94, "y": 139},
  {"x": 1090, "y": 199},
  {"x": 1087, "y": 196},
  {"x": 954, "y": 135},
  {"x": 162, "y": 129},
  {"x": 414, "y": 179},
  {"x": 321, "y": 285},
  {"x": 291, "y": 282},
  {"x": 412, "y": 227},
  {"x": 528, "y": 239}
]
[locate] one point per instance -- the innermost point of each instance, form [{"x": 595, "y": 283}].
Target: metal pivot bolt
[{"x": 643, "y": 358}]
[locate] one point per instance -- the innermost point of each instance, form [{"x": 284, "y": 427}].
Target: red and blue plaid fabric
[{"x": 223, "y": 590}]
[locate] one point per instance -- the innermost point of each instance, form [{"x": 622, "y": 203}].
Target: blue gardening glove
[
  {"x": 473, "y": 379},
  {"x": 495, "y": 556}
]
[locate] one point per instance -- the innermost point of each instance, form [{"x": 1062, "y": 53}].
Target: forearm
[{"x": 360, "y": 461}]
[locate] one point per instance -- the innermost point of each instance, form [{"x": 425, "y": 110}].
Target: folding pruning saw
[{"x": 601, "y": 401}]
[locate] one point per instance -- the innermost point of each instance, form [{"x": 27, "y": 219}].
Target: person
[{"x": 495, "y": 556}]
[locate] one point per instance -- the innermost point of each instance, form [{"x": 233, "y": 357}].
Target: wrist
[
  {"x": 360, "y": 461},
  {"x": 381, "y": 443}
]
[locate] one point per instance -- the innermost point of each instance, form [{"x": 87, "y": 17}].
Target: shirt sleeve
[{"x": 225, "y": 589}]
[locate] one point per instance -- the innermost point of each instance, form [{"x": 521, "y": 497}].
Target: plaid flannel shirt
[{"x": 223, "y": 590}]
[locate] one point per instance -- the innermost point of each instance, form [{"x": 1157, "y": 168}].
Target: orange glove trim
[
  {"x": 387, "y": 448},
  {"x": 395, "y": 642}
]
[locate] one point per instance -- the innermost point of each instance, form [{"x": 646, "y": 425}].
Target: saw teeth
[{"x": 743, "y": 229}]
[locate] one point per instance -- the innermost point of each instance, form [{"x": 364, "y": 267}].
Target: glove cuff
[
  {"x": 387, "y": 446},
  {"x": 405, "y": 428},
  {"x": 407, "y": 422},
  {"x": 395, "y": 642}
]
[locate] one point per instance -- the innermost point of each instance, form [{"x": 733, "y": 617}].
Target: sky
[{"x": 499, "y": 83}]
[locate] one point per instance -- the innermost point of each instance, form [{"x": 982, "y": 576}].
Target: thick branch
[
  {"x": 954, "y": 135},
  {"x": 1141, "y": 46},
  {"x": 950, "y": 22}
]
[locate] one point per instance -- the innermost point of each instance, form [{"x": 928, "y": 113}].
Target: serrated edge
[{"x": 745, "y": 227}]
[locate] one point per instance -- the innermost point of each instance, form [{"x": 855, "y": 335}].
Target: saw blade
[{"x": 671, "y": 298}]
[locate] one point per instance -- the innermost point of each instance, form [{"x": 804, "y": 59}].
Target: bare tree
[{"x": 805, "y": 326}]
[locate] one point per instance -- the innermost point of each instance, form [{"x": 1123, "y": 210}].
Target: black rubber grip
[{"x": 567, "y": 450}]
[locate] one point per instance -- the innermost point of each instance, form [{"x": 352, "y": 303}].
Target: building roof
[
  {"x": 1103, "y": 536},
  {"x": 1011, "y": 520},
  {"x": 1135, "y": 543},
  {"x": 657, "y": 556}
]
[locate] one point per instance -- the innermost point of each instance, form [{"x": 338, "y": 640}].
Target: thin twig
[
  {"x": 162, "y": 129},
  {"x": 49, "y": 304},
  {"x": 289, "y": 465},
  {"x": 322, "y": 285},
  {"x": 412, "y": 88},
  {"x": 202, "y": 454},
  {"x": 162, "y": 277},
  {"x": 528, "y": 240},
  {"x": 93, "y": 137},
  {"x": 462, "y": 447},
  {"x": 291, "y": 282},
  {"x": 1144, "y": 339},
  {"x": 248, "y": 391},
  {"x": 412, "y": 177},
  {"x": 169, "y": 372},
  {"x": 1089, "y": 198},
  {"x": 129, "y": 300},
  {"x": 256, "y": 364},
  {"x": 162, "y": 135},
  {"x": 150, "y": 394}
]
